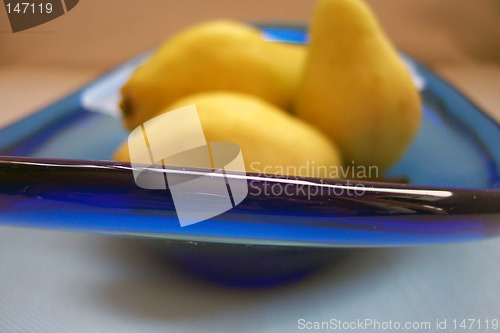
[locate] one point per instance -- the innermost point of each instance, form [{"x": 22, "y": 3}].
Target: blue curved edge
[{"x": 103, "y": 197}]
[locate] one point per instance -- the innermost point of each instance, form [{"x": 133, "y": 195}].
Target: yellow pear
[
  {"x": 271, "y": 140},
  {"x": 218, "y": 55},
  {"x": 355, "y": 87}
]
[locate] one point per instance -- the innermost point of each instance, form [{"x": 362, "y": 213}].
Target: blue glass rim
[{"x": 386, "y": 214}]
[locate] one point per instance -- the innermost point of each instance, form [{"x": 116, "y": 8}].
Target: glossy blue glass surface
[{"x": 452, "y": 167}]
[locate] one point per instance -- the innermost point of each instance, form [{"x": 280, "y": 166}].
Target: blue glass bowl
[{"x": 55, "y": 172}]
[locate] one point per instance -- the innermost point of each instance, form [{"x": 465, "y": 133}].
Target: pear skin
[
  {"x": 355, "y": 87},
  {"x": 271, "y": 140},
  {"x": 218, "y": 55}
]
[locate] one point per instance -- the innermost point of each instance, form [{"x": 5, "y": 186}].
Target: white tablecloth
[{"x": 67, "y": 282}]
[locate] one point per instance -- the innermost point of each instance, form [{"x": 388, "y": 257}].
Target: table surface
[{"x": 53, "y": 281}]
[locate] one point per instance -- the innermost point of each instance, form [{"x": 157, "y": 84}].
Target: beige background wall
[
  {"x": 458, "y": 38},
  {"x": 104, "y": 32}
]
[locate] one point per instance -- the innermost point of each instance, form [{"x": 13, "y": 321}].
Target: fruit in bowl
[
  {"x": 269, "y": 137},
  {"x": 217, "y": 55},
  {"x": 355, "y": 88},
  {"x": 349, "y": 83}
]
